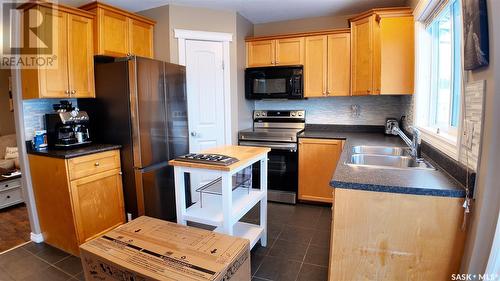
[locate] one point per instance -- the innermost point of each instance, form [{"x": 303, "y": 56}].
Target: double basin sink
[{"x": 385, "y": 157}]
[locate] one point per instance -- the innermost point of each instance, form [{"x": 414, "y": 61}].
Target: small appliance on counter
[
  {"x": 68, "y": 127},
  {"x": 389, "y": 124}
]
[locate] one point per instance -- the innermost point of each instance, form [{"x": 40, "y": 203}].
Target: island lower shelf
[{"x": 211, "y": 212}]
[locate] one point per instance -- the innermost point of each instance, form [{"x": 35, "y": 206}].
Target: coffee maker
[{"x": 67, "y": 128}]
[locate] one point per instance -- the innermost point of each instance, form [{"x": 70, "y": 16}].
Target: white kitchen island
[{"x": 224, "y": 210}]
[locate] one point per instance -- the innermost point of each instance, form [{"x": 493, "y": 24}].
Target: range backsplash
[{"x": 371, "y": 110}]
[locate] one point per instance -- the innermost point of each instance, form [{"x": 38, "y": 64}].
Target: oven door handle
[{"x": 279, "y": 146}]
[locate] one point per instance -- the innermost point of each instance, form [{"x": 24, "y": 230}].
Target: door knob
[{"x": 194, "y": 134}]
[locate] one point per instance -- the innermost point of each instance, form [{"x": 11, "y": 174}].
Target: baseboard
[{"x": 36, "y": 237}]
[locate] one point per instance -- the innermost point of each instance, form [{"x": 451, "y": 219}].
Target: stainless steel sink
[
  {"x": 385, "y": 157},
  {"x": 388, "y": 162},
  {"x": 381, "y": 150}
]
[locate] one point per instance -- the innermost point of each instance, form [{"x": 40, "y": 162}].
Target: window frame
[{"x": 445, "y": 139}]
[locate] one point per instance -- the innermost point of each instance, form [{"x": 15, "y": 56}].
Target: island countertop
[
  {"x": 243, "y": 153},
  {"x": 412, "y": 181}
]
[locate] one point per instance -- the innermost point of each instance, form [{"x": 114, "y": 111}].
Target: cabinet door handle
[
  {"x": 66, "y": 92},
  {"x": 328, "y": 93},
  {"x": 120, "y": 173},
  {"x": 73, "y": 92},
  {"x": 96, "y": 164}
]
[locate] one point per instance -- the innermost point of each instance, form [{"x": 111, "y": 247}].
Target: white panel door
[{"x": 205, "y": 97}]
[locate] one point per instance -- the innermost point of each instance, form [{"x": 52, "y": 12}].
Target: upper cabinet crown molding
[
  {"x": 56, "y": 7},
  {"x": 384, "y": 12},
  {"x": 299, "y": 34},
  {"x": 96, "y": 5},
  {"x": 119, "y": 33}
]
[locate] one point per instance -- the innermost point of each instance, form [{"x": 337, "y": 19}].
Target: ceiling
[{"x": 260, "y": 11}]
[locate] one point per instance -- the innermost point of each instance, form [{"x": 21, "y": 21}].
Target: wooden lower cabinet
[
  {"x": 317, "y": 162},
  {"x": 390, "y": 236},
  {"x": 74, "y": 209}
]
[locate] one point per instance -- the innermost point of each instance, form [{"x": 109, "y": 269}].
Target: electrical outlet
[
  {"x": 468, "y": 133},
  {"x": 355, "y": 110}
]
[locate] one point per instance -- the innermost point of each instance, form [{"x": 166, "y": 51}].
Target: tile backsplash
[
  {"x": 366, "y": 110},
  {"x": 34, "y": 112}
]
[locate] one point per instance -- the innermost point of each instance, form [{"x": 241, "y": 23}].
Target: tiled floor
[
  {"x": 298, "y": 248},
  {"x": 39, "y": 262},
  {"x": 298, "y": 243},
  {"x": 14, "y": 226}
]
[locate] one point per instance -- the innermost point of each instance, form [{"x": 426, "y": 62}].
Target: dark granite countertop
[
  {"x": 418, "y": 182},
  {"x": 75, "y": 152}
]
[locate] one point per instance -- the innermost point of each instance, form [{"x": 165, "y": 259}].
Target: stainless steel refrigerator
[{"x": 141, "y": 104}]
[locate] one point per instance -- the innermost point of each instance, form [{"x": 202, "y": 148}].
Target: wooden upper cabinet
[
  {"x": 286, "y": 51},
  {"x": 290, "y": 51},
  {"x": 81, "y": 61},
  {"x": 397, "y": 53},
  {"x": 54, "y": 82},
  {"x": 141, "y": 38},
  {"x": 362, "y": 56},
  {"x": 315, "y": 66},
  {"x": 261, "y": 53},
  {"x": 112, "y": 34},
  {"x": 339, "y": 65},
  {"x": 119, "y": 33},
  {"x": 317, "y": 162},
  {"x": 72, "y": 74},
  {"x": 382, "y": 47}
]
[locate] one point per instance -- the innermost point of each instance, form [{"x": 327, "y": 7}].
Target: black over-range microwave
[{"x": 274, "y": 82}]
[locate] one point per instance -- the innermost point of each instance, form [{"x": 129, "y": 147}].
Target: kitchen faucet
[{"x": 414, "y": 143}]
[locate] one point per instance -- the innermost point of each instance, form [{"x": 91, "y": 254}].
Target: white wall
[
  {"x": 173, "y": 17},
  {"x": 244, "y": 28}
]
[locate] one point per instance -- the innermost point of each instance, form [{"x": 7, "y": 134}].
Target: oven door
[
  {"x": 274, "y": 82},
  {"x": 282, "y": 171}
]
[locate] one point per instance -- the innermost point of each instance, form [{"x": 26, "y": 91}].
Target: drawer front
[
  {"x": 92, "y": 164},
  {"x": 10, "y": 197},
  {"x": 10, "y": 184}
]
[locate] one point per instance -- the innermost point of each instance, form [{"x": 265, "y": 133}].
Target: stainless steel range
[{"x": 277, "y": 130}]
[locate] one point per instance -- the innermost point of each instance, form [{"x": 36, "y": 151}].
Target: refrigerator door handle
[{"x": 152, "y": 167}]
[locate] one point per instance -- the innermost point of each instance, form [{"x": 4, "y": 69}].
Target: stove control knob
[
  {"x": 300, "y": 113},
  {"x": 263, "y": 114},
  {"x": 258, "y": 114},
  {"x": 293, "y": 114}
]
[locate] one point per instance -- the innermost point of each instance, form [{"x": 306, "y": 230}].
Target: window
[{"x": 442, "y": 59}]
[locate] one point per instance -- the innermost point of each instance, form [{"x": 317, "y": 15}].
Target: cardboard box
[{"x": 152, "y": 249}]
